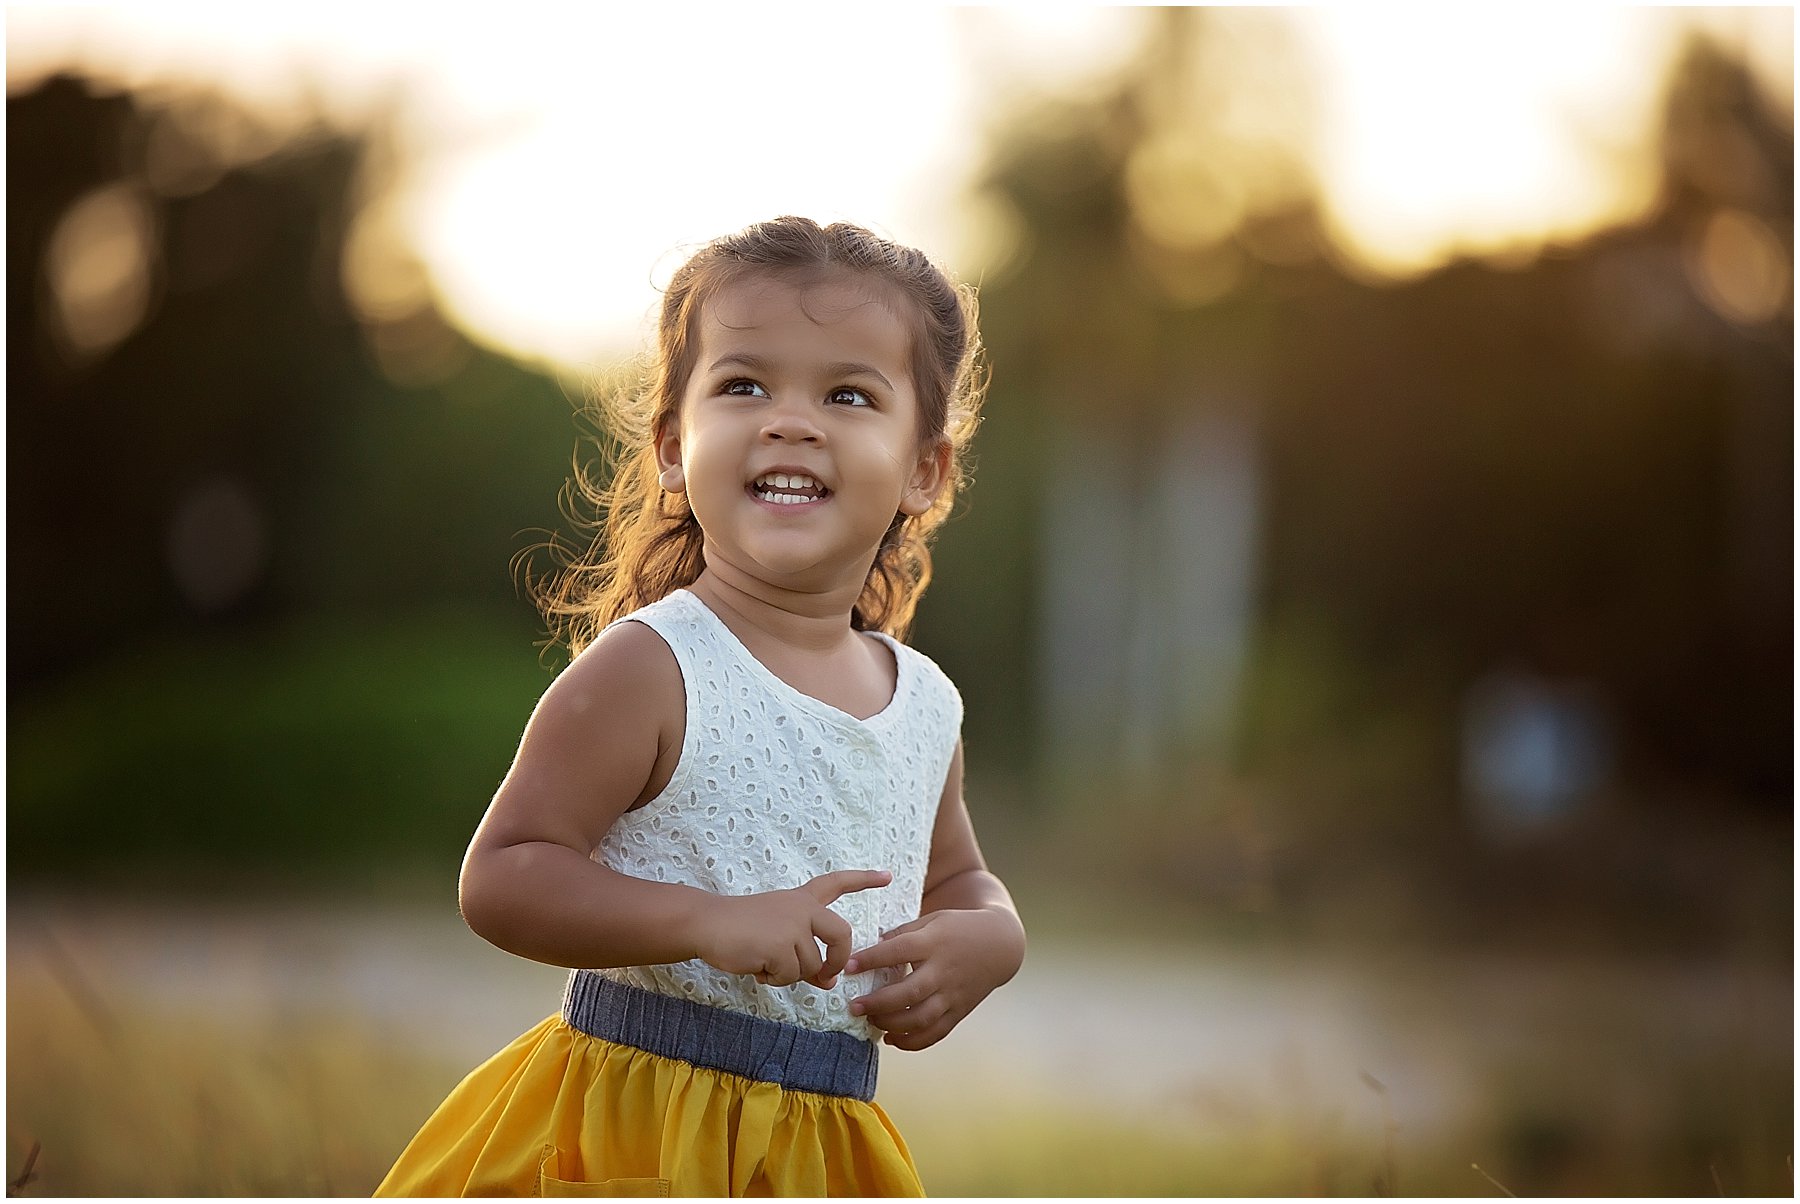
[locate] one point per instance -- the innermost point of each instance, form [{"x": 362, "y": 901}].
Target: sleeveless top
[{"x": 774, "y": 787}]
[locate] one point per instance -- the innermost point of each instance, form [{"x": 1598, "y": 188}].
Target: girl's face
[{"x": 797, "y": 440}]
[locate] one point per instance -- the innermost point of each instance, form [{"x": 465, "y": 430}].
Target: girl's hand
[
  {"x": 774, "y": 935},
  {"x": 957, "y": 958}
]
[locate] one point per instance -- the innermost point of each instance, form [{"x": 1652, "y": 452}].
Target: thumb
[{"x": 827, "y": 887}]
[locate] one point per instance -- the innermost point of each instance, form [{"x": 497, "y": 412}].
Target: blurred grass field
[
  {"x": 161, "y": 1104},
  {"x": 166, "y": 1105},
  {"x": 212, "y": 1050}
]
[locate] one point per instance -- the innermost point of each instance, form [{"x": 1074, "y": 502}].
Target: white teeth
[
  {"x": 783, "y": 480},
  {"x": 769, "y": 490}
]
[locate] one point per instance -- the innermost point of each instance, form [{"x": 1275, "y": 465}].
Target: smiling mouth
[{"x": 787, "y": 489}]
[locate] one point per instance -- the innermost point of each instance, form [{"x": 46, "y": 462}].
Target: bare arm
[
  {"x": 591, "y": 751},
  {"x": 587, "y": 755},
  {"x": 967, "y": 941},
  {"x": 958, "y": 877}
]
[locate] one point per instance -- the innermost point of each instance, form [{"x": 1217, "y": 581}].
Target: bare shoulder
[
  {"x": 604, "y": 733},
  {"x": 625, "y": 687},
  {"x": 628, "y": 664}
]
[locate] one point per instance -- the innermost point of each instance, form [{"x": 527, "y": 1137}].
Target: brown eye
[
  {"x": 849, "y": 397},
  {"x": 743, "y": 388}
]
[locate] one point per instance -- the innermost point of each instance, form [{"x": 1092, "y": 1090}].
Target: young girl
[{"x": 738, "y": 812}]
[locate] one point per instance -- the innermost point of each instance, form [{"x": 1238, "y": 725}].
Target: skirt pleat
[{"x": 559, "y": 1112}]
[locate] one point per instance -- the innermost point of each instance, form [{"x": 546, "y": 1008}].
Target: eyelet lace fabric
[{"x": 773, "y": 788}]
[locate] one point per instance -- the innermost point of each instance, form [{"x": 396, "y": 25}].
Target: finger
[
  {"x": 783, "y": 970},
  {"x": 913, "y": 1019},
  {"x": 806, "y": 956},
  {"x": 922, "y": 1039},
  {"x": 917, "y": 925},
  {"x": 894, "y": 997},
  {"x": 892, "y": 951},
  {"x": 835, "y": 931},
  {"x": 828, "y": 887}
]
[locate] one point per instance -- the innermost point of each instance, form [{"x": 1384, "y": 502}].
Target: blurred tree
[
  {"x": 1580, "y": 468},
  {"x": 260, "y": 530},
  {"x": 1101, "y": 587},
  {"x": 1235, "y": 511},
  {"x": 234, "y": 441},
  {"x": 160, "y": 473}
]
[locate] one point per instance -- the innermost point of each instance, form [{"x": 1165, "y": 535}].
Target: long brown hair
[{"x": 645, "y": 543}]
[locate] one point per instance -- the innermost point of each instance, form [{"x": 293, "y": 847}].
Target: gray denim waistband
[{"x": 800, "y": 1059}]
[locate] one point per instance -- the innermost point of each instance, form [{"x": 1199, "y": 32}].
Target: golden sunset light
[{"x": 542, "y": 165}]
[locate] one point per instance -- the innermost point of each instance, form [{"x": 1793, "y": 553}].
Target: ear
[
  {"x": 928, "y": 478},
  {"x": 668, "y": 459}
]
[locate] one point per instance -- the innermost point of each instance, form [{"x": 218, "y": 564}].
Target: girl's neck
[{"x": 810, "y": 621}]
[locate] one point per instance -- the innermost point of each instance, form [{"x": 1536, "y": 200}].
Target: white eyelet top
[{"x": 775, "y": 787}]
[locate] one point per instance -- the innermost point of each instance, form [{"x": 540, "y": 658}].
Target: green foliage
[
  {"x": 325, "y": 745},
  {"x": 372, "y": 482},
  {"x": 428, "y": 494}
]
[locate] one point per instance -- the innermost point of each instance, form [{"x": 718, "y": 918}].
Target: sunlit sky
[{"x": 559, "y": 159}]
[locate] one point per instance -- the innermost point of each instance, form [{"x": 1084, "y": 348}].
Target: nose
[{"x": 792, "y": 421}]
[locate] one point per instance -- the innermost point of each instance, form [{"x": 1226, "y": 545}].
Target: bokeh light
[
  {"x": 100, "y": 269},
  {"x": 548, "y": 167}
]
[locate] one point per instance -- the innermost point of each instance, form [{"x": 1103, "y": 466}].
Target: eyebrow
[{"x": 756, "y": 363}]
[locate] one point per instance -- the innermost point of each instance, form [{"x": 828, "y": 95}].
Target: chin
[
  {"x": 790, "y": 568},
  {"x": 795, "y": 573}
]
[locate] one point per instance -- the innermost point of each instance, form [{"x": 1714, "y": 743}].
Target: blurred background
[{"x": 1374, "y": 605}]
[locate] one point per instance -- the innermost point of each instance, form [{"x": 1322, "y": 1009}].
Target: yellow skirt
[{"x": 560, "y": 1113}]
